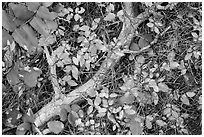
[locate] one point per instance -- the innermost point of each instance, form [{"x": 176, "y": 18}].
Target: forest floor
[{"x": 156, "y": 92}]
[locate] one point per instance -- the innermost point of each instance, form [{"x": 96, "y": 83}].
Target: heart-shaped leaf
[{"x": 55, "y": 126}]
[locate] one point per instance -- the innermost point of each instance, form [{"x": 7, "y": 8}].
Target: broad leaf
[
  {"x": 55, "y": 126},
  {"x": 12, "y": 116},
  {"x": 26, "y": 38},
  {"x": 21, "y": 11},
  {"x": 13, "y": 77},
  {"x": 30, "y": 75},
  {"x": 7, "y": 22},
  {"x": 40, "y": 26}
]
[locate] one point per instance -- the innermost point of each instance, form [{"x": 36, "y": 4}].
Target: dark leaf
[
  {"x": 22, "y": 128},
  {"x": 29, "y": 116},
  {"x": 30, "y": 75},
  {"x": 13, "y": 115}
]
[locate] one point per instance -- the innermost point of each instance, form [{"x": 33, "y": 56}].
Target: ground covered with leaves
[{"x": 155, "y": 92}]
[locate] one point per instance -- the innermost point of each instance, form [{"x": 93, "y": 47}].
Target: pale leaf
[
  {"x": 72, "y": 83},
  {"x": 167, "y": 111},
  {"x": 130, "y": 111},
  {"x": 163, "y": 87},
  {"x": 148, "y": 124},
  {"x": 185, "y": 99},
  {"x": 97, "y": 101},
  {"x": 110, "y": 17},
  {"x": 150, "y": 24},
  {"x": 75, "y": 72},
  {"x": 90, "y": 109},
  {"x": 190, "y": 94},
  {"x": 84, "y": 28},
  {"x": 161, "y": 123},
  {"x": 174, "y": 65},
  {"x": 188, "y": 56}
]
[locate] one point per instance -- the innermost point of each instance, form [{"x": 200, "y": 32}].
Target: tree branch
[{"x": 125, "y": 37}]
